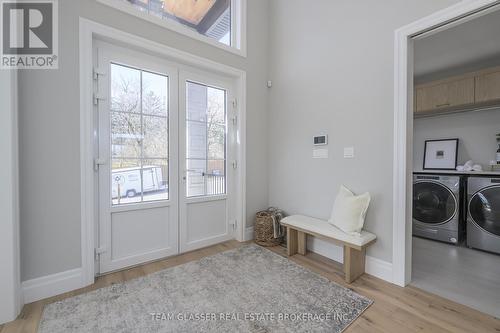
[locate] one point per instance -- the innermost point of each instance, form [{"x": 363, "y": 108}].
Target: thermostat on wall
[{"x": 321, "y": 140}]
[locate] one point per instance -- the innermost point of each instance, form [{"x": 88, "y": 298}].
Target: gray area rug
[{"x": 249, "y": 289}]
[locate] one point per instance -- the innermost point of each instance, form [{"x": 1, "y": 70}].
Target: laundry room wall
[{"x": 476, "y": 131}]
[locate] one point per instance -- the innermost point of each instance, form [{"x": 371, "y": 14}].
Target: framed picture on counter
[{"x": 441, "y": 154}]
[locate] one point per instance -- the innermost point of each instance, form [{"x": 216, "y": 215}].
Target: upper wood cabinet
[
  {"x": 488, "y": 86},
  {"x": 468, "y": 91},
  {"x": 445, "y": 94}
]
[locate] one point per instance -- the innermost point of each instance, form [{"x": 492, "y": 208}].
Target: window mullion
[
  {"x": 141, "y": 162},
  {"x": 205, "y": 178}
]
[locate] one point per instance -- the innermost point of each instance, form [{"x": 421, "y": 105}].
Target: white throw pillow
[{"x": 349, "y": 211}]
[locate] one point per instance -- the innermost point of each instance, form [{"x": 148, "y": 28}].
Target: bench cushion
[{"x": 324, "y": 228}]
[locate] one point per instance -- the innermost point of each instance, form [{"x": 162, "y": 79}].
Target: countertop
[{"x": 462, "y": 173}]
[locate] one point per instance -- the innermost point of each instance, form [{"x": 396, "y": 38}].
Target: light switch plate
[
  {"x": 349, "y": 152},
  {"x": 320, "y": 153}
]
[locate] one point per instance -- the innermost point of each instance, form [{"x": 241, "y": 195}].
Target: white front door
[
  {"x": 207, "y": 147},
  {"x": 138, "y": 154},
  {"x": 166, "y": 140}
]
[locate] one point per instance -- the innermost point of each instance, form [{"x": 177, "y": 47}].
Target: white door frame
[
  {"x": 403, "y": 124},
  {"x": 90, "y": 31}
]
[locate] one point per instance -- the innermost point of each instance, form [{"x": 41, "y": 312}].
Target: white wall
[
  {"x": 49, "y": 131},
  {"x": 476, "y": 130},
  {"x": 9, "y": 226},
  {"x": 331, "y": 63}
]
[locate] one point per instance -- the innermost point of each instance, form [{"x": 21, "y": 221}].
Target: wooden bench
[{"x": 298, "y": 227}]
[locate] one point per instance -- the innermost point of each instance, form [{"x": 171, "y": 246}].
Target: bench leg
[
  {"x": 292, "y": 241},
  {"x": 354, "y": 263},
  {"x": 301, "y": 243}
]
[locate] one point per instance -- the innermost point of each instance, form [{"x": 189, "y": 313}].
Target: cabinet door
[
  {"x": 432, "y": 97},
  {"x": 488, "y": 87},
  {"x": 445, "y": 95}
]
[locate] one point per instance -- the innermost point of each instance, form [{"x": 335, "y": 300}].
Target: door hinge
[
  {"x": 234, "y": 164},
  {"x": 234, "y": 120},
  {"x": 98, "y": 162},
  {"x": 99, "y": 250},
  {"x": 96, "y": 72},
  {"x": 234, "y": 224},
  {"x": 97, "y": 97}
]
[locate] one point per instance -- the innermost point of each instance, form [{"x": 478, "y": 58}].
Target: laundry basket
[{"x": 264, "y": 229}]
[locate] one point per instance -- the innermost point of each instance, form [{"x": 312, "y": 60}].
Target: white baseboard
[
  {"x": 373, "y": 266},
  {"x": 249, "y": 235},
  {"x": 51, "y": 285},
  {"x": 379, "y": 268},
  {"x": 325, "y": 249}
]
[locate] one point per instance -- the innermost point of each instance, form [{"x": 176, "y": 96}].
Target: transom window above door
[{"x": 218, "y": 22}]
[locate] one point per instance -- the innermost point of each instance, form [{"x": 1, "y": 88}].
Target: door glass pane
[
  {"x": 126, "y": 181},
  {"x": 206, "y": 133},
  {"x": 126, "y": 135},
  {"x": 432, "y": 203},
  {"x": 197, "y": 102},
  {"x": 196, "y": 173},
  {"x": 216, "y": 177},
  {"x": 485, "y": 209},
  {"x": 197, "y": 139},
  {"x": 154, "y": 94},
  {"x": 139, "y": 135},
  {"x": 155, "y": 179},
  {"x": 216, "y": 99},
  {"x": 125, "y": 89},
  {"x": 216, "y": 141},
  {"x": 155, "y": 137}
]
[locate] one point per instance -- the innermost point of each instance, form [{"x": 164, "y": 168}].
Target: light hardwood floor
[{"x": 395, "y": 309}]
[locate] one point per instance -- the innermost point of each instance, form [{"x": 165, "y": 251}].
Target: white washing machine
[{"x": 483, "y": 217}]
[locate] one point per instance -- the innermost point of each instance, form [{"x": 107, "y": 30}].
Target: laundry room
[{"x": 456, "y": 163}]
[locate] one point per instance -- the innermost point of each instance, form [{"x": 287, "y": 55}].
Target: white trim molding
[
  {"x": 403, "y": 122},
  {"x": 373, "y": 266},
  {"x": 249, "y": 234},
  {"x": 91, "y": 31},
  {"x": 10, "y": 285},
  {"x": 238, "y": 25},
  {"x": 51, "y": 285},
  {"x": 379, "y": 268},
  {"x": 326, "y": 249},
  {"x": 87, "y": 195}
]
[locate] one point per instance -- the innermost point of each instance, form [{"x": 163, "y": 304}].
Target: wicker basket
[{"x": 264, "y": 230}]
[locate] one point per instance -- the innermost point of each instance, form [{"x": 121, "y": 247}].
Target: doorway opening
[{"x": 446, "y": 66}]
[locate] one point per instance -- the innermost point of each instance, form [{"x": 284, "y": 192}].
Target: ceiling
[{"x": 466, "y": 47}]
